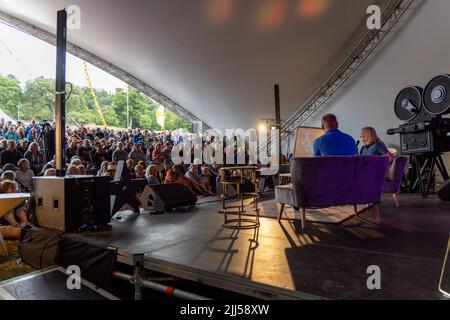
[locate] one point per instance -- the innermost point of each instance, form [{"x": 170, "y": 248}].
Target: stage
[{"x": 279, "y": 261}]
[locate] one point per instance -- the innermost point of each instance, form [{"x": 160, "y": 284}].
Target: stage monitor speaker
[
  {"x": 68, "y": 203},
  {"x": 166, "y": 197},
  {"x": 444, "y": 192}
]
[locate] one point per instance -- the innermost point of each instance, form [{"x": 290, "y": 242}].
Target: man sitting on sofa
[{"x": 333, "y": 142}]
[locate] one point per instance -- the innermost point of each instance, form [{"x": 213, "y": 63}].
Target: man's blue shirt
[{"x": 334, "y": 143}]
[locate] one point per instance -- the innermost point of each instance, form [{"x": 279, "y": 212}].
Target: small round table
[{"x": 238, "y": 181}]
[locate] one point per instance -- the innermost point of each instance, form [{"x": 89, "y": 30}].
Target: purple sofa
[{"x": 333, "y": 181}]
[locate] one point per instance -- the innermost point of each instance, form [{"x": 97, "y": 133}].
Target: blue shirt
[
  {"x": 375, "y": 149},
  {"x": 334, "y": 143}
]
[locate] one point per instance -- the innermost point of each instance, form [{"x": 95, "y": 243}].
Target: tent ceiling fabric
[{"x": 219, "y": 59}]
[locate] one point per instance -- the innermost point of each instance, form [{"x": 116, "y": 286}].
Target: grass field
[{"x": 11, "y": 267}]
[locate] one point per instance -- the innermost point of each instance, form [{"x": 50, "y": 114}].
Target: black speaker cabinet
[
  {"x": 166, "y": 197},
  {"x": 67, "y": 203}
]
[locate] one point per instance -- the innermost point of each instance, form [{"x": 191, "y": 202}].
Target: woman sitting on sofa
[{"x": 373, "y": 146}]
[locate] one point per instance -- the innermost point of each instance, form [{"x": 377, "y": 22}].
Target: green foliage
[
  {"x": 10, "y": 95},
  {"x": 38, "y": 98}
]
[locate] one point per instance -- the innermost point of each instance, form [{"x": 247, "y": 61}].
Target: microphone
[{"x": 357, "y": 145}]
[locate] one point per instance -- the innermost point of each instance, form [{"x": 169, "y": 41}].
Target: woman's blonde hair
[
  {"x": 6, "y": 185},
  {"x": 22, "y": 161},
  {"x": 30, "y": 147},
  {"x": 369, "y": 136},
  {"x": 149, "y": 169}
]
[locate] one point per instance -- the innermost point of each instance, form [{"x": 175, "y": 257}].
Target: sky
[{"x": 27, "y": 58}]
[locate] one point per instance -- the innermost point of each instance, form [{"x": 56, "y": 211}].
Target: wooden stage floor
[{"x": 278, "y": 260}]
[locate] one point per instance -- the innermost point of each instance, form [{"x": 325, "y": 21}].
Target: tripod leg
[
  {"x": 429, "y": 178},
  {"x": 442, "y": 168},
  {"x": 420, "y": 171}
]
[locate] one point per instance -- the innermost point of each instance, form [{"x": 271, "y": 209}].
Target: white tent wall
[{"x": 418, "y": 52}]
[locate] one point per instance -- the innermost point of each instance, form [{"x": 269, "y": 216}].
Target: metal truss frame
[
  {"x": 392, "y": 16},
  {"x": 105, "y": 66}
]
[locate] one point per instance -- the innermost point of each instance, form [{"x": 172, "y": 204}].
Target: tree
[
  {"x": 174, "y": 122},
  {"x": 10, "y": 95},
  {"x": 38, "y": 100},
  {"x": 119, "y": 104},
  {"x": 110, "y": 116}
]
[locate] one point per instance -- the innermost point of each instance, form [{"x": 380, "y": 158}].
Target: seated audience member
[
  {"x": 35, "y": 157},
  {"x": 192, "y": 174},
  {"x": 3, "y": 144},
  {"x": 50, "y": 172},
  {"x": 84, "y": 152},
  {"x": 176, "y": 175},
  {"x": 103, "y": 169},
  {"x": 158, "y": 157},
  {"x": 23, "y": 147},
  {"x": 9, "y": 167},
  {"x": 373, "y": 146},
  {"x": 206, "y": 179},
  {"x": 152, "y": 175},
  {"x": 10, "y": 155},
  {"x": 111, "y": 169},
  {"x": 119, "y": 154},
  {"x": 163, "y": 172},
  {"x": 9, "y": 232},
  {"x": 139, "y": 172},
  {"x": 72, "y": 170},
  {"x": 333, "y": 142},
  {"x": 45, "y": 168},
  {"x": 130, "y": 165},
  {"x": 142, "y": 163},
  {"x": 72, "y": 149},
  {"x": 19, "y": 216},
  {"x": 11, "y": 134},
  {"x": 81, "y": 170},
  {"x": 24, "y": 176},
  {"x": 98, "y": 156},
  {"x": 137, "y": 154},
  {"x": 8, "y": 175},
  {"x": 76, "y": 162}
]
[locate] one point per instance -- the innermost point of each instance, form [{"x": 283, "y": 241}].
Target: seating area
[{"x": 335, "y": 181}]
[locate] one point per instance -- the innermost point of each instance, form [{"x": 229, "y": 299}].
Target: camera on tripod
[
  {"x": 426, "y": 131},
  {"x": 426, "y": 134}
]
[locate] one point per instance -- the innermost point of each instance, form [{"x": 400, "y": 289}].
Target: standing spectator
[{"x": 49, "y": 142}]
